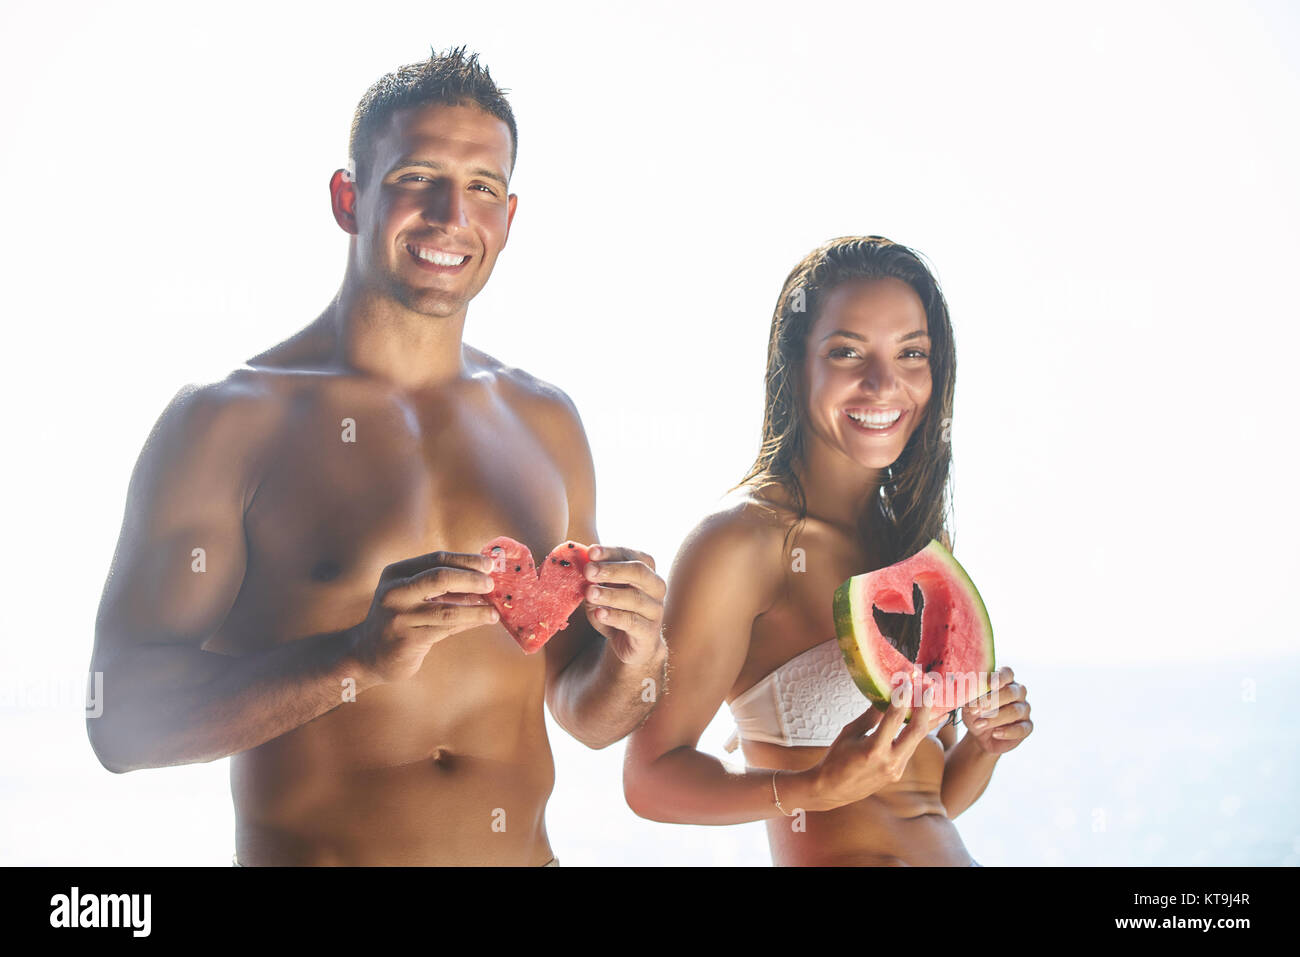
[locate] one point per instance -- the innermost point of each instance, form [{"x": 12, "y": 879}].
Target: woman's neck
[{"x": 836, "y": 489}]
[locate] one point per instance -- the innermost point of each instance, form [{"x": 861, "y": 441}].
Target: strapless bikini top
[{"x": 805, "y": 702}]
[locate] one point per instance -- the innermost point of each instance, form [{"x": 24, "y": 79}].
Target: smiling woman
[{"x": 851, "y": 476}]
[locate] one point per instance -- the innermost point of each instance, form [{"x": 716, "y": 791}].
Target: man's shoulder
[
  {"x": 232, "y": 412},
  {"x": 542, "y": 403}
]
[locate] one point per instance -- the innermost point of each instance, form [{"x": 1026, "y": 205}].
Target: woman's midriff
[{"x": 904, "y": 824}]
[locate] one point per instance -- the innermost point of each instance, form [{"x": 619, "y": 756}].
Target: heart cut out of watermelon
[
  {"x": 535, "y": 604},
  {"x": 956, "y": 650}
]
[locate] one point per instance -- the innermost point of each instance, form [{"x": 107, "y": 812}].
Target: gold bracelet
[{"x": 776, "y": 799}]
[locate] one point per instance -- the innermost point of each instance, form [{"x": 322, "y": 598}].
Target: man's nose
[{"x": 445, "y": 206}]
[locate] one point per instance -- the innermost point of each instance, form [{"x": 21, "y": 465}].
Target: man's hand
[
  {"x": 419, "y": 602},
  {"x": 625, "y": 603},
  {"x": 999, "y": 720}
]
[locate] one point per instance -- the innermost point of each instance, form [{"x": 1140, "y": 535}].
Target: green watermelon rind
[{"x": 875, "y": 687}]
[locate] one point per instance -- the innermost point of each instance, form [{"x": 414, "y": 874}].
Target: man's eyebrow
[
  {"x": 914, "y": 334},
  {"x": 483, "y": 171}
]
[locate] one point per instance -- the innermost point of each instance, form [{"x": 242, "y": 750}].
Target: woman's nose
[{"x": 878, "y": 375}]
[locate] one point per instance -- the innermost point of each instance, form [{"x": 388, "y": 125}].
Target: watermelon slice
[
  {"x": 956, "y": 651},
  {"x": 534, "y": 606}
]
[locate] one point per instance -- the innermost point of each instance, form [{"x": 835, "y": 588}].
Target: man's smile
[{"x": 437, "y": 258}]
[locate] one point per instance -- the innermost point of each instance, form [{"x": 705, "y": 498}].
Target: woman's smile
[{"x": 876, "y": 423}]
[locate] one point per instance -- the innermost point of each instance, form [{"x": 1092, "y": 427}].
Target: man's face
[{"x": 434, "y": 211}]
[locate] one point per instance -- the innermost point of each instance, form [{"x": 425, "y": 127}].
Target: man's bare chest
[{"x": 347, "y": 488}]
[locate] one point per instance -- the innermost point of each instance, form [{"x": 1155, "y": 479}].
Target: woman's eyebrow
[{"x": 914, "y": 334}]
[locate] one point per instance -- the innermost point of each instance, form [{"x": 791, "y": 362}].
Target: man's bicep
[{"x": 180, "y": 557}]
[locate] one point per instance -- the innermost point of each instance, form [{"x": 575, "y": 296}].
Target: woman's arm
[
  {"x": 996, "y": 722},
  {"x": 728, "y": 572},
  {"x": 966, "y": 771},
  {"x": 724, "y": 576}
]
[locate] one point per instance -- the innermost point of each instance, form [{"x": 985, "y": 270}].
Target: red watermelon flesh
[
  {"x": 534, "y": 606},
  {"x": 956, "y": 651}
]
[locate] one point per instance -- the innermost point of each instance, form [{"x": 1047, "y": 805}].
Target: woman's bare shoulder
[{"x": 740, "y": 545}]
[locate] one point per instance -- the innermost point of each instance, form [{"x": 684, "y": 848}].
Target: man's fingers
[
  {"x": 632, "y": 574},
  {"x": 456, "y": 598},
  {"x": 437, "y": 583},
  {"x": 628, "y": 621},
  {"x": 603, "y": 554},
  {"x": 628, "y": 599},
  {"x": 413, "y": 566},
  {"x": 437, "y": 614}
]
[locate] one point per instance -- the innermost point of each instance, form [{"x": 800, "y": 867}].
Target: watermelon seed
[
  {"x": 518, "y": 568},
  {"x": 565, "y": 562},
  {"x": 510, "y": 597}
]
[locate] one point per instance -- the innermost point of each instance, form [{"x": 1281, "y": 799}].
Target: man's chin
[{"x": 433, "y": 305}]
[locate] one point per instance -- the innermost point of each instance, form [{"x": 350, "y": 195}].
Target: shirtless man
[{"x": 297, "y": 583}]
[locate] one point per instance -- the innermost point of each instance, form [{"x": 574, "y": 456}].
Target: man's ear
[
  {"x": 512, "y": 204},
  {"x": 343, "y": 200}
]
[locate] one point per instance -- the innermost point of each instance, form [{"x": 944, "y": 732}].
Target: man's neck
[{"x": 377, "y": 336}]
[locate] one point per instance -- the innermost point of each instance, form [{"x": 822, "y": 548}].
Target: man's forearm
[
  {"x": 166, "y": 705},
  {"x": 600, "y": 699},
  {"x": 966, "y": 771}
]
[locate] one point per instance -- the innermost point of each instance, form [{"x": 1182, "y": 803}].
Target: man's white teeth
[
  {"x": 439, "y": 259},
  {"x": 875, "y": 420}
]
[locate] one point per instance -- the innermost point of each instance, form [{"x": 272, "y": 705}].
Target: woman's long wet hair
[{"x": 913, "y": 507}]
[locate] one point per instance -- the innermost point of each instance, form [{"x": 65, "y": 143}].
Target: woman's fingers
[
  {"x": 862, "y": 724},
  {"x": 1014, "y": 732},
  {"x": 918, "y": 726}
]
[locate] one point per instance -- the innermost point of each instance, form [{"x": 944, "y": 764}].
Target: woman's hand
[
  {"x": 999, "y": 720},
  {"x": 870, "y": 753}
]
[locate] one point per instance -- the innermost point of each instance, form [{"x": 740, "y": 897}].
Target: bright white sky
[{"x": 1108, "y": 195}]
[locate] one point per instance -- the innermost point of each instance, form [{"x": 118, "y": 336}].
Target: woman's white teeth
[
  {"x": 439, "y": 259},
  {"x": 875, "y": 421}
]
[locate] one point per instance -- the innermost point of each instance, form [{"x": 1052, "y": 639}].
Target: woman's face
[{"x": 867, "y": 371}]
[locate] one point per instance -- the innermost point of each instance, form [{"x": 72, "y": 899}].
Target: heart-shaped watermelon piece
[{"x": 534, "y": 604}]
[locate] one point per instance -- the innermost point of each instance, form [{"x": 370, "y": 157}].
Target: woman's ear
[{"x": 343, "y": 200}]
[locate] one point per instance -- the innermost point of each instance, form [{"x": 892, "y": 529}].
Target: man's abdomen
[{"x": 452, "y": 766}]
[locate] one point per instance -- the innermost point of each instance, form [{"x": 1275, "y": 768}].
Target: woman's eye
[
  {"x": 842, "y": 352},
  {"x": 918, "y": 353},
  {"x": 486, "y": 189}
]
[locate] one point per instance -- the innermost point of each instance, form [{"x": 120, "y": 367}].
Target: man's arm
[
  {"x": 603, "y": 675},
  {"x": 178, "y": 568}
]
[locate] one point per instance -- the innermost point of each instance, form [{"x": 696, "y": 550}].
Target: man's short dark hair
[{"x": 448, "y": 79}]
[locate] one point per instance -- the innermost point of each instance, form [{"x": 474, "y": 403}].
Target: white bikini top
[{"x": 805, "y": 702}]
